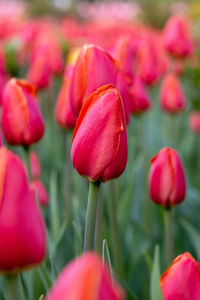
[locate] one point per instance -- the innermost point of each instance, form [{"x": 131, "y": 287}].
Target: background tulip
[
  {"x": 92, "y": 280},
  {"x": 41, "y": 192},
  {"x": 194, "y": 122},
  {"x": 182, "y": 280},
  {"x": 22, "y": 230},
  {"x": 22, "y": 122},
  {"x": 35, "y": 165},
  {"x": 99, "y": 146}
]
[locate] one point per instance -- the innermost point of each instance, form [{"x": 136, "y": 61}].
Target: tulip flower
[
  {"x": 22, "y": 122},
  {"x": 181, "y": 281},
  {"x": 86, "y": 277},
  {"x": 63, "y": 112},
  {"x": 93, "y": 69},
  {"x": 35, "y": 165},
  {"x": 172, "y": 98},
  {"x": 194, "y": 122},
  {"x": 41, "y": 192},
  {"x": 177, "y": 38},
  {"x": 167, "y": 180},
  {"x": 22, "y": 230},
  {"x": 140, "y": 100},
  {"x": 99, "y": 146}
]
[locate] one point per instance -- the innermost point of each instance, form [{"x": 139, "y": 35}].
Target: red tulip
[
  {"x": 167, "y": 180},
  {"x": 22, "y": 122},
  {"x": 93, "y": 69},
  {"x": 86, "y": 277},
  {"x": 140, "y": 100},
  {"x": 35, "y": 165},
  {"x": 181, "y": 281},
  {"x": 22, "y": 230},
  {"x": 63, "y": 113},
  {"x": 172, "y": 98},
  {"x": 177, "y": 37},
  {"x": 194, "y": 122},
  {"x": 99, "y": 146},
  {"x": 41, "y": 192}
]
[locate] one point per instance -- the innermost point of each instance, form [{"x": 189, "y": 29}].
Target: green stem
[
  {"x": 98, "y": 226},
  {"x": 13, "y": 288},
  {"x": 27, "y": 161},
  {"x": 114, "y": 230},
  {"x": 90, "y": 216},
  {"x": 168, "y": 235},
  {"x": 68, "y": 173}
]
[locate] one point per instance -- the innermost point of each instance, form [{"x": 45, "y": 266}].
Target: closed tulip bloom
[
  {"x": 99, "y": 146},
  {"x": 177, "y": 38},
  {"x": 41, "y": 192},
  {"x": 63, "y": 113},
  {"x": 167, "y": 180},
  {"x": 172, "y": 98},
  {"x": 86, "y": 277},
  {"x": 22, "y": 122},
  {"x": 181, "y": 281},
  {"x": 35, "y": 165},
  {"x": 194, "y": 122},
  {"x": 140, "y": 100},
  {"x": 22, "y": 229},
  {"x": 93, "y": 69}
]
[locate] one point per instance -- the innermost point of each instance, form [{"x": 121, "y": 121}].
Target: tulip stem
[
  {"x": 114, "y": 229},
  {"x": 98, "y": 226},
  {"x": 168, "y": 235},
  {"x": 27, "y": 160},
  {"x": 13, "y": 288},
  {"x": 90, "y": 215}
]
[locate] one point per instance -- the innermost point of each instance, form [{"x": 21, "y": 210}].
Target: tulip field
[{"x": 99, "y": 155}]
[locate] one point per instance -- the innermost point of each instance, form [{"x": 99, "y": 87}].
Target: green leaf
[
  {"x": 194, "y": 236},
  {"x": 106, "y": 256},
  {"x": 54, "y": 213},
  {"x": 155, "y": 291}
]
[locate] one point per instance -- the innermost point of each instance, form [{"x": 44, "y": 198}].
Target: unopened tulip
[
  {"x": 177, "y": 37},
  {"x": 22, "y": 122},
  {"x": 194, "y": 122},
  {"x": 99, "y": 146},
  {"x": 63, "y": 113},
  {"x": 41, "y": 192},
  {"x": 22, "y": 230},
  {"x": 167, "y": 180},
  {"x": 93, "y": 69},
  {"x": 35, "y": 165},
  {"x": 140, "y": 100},
  {"x": 86, "y": 277},
  {"x": 172, "y": 98},
  {"x": 181, "y": 281}
]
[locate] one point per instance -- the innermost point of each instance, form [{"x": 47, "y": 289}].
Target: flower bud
[
  {"x": 86, "y": 277},
  {"x": 172, "y": 98},
  {"x": 22, "y": 229},
  {"x": 41, "y": 192},
  {"x": 194, "y": 122},
  {"x": 22, "y": 121},
  {"x": 35, "y": 165},
  {"x": 99, "y": 146},
  {"x": 140, "y": 100},
  {"x": 167, "y": 180},
  {"x": 181, "y": 281}
]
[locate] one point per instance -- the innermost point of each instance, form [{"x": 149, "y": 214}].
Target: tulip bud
[
  {"x": 177, "y": 37},
  {"x": 63, "y": 112},
  {"x": 167, "y": 180},
  {"x": 140, "y": 100},
  {"x": 41, "y": 192},
  {"x": 86, "y": 277},
  {"x": 22, "y": 122},
  {"x": 93, "y": 69},
  {"x": 181, "y": 281},
  {"x": 99, "y": 146},
  {"x": 194, "y": 122},
  {"x": 35, "y": 165},
  {"x": 172, "y": 98},
  {"x": 22, "y": 229}
]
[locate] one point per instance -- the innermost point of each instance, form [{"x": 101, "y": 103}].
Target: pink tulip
[
  {"x": 35, "y": 165},
  {"x": 140, "y": 100},
  {"x": 41, "y": 192},
  {"x": 194, "y": 122}
]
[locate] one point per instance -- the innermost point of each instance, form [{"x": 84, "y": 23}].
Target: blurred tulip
[
  {"x": 93, "y": 69},
  {"x": 194, "y": 122},
  {"x": 167, "y": 180},
  {"x": 63, "y": 112},
  {"x": 22, "y": 230},
  {"x": 140, "y": 100},
  {"x": 99, "y": 146},
  {"x": 177, "y": 38},
  {"x": 41, "y": 192},
  {"x": 22, "y": 122},
  {"x": 172, "y": 98},
  {"x": 181, "y": 281},
  {"x": 35, "y": 165},
  {"x": 91, "y": 278}
]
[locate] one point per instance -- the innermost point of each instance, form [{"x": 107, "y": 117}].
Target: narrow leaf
[{"x": 155, "y": 291}]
